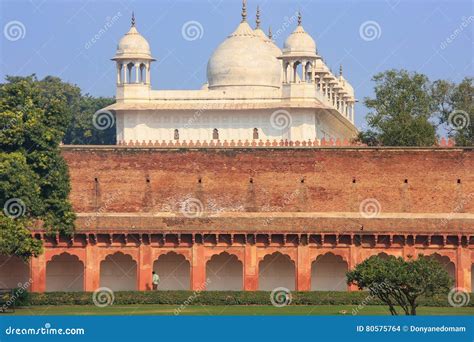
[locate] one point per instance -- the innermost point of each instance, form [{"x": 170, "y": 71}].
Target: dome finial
[
  {"x": 340, "y": 70},
  {"x": 244, "y": 10},
  {"x": 299, "y": 18},
  {"x": 257, "y": 18},
  {"x": 270, "y": 34},
  {"x": 133, "y": 19}
]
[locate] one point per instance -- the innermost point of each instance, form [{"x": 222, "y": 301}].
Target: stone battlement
[{"x": 258, "y": 144}]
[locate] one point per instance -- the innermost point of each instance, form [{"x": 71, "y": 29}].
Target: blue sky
[{"x": 54, "y": 38}]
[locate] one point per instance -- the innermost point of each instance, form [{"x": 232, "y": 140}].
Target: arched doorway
[
  {"x": 447, "y": 264},
  {"x": 118, "y": 272},
  {"x": 174, "y": 272},
  {"x": 276, "y": 270},
  {"x": 64, "y": 272},
  {"x": 328, "y": 273},
  {"x": 224, "y": 272},
  {"x": 14, "y": 272}
]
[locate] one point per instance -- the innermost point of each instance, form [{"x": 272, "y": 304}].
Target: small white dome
[
  {"x": 244, "y": 59},
  {"x": 133, "y": 45},
  {"x": 299, "y": 43}
]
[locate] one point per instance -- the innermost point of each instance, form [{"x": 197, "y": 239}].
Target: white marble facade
[
  {"x": 246, "y": 125},
  {"x": 255, "y": 91}
]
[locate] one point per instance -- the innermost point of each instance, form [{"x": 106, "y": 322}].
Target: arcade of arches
[{"x": 199, "y": 267}]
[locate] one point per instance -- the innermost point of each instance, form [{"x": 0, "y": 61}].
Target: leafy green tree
[
  {"x": 34, "y": 180},
  {"x": 16, "y": 240},
  {"x": 77, "y": 113},
  {"x": 398, "y": 282},
  {"x": 456, "y": 109},
  {"x": 401, "y": 112},
  {"x": 82, "y": 130}
]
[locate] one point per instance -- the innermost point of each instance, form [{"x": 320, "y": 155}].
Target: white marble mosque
[{"x": 255, "y": 91}]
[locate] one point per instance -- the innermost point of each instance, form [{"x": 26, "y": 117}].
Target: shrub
[{"x": 218, "y": 298}]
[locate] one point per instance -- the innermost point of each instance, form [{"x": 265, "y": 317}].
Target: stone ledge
[{"x": 131, "y": 223}]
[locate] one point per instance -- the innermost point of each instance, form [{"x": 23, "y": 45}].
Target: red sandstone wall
[{"x": 431, "y": 174}]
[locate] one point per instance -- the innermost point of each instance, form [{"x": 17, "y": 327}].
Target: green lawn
[{"x": 150, "y": 309}]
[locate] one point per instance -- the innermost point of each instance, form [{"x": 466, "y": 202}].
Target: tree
[
  {"x": 34, "y": 181},
  {"x": 401, "y": 111},
  {"x": 455, "y": 104},
  {"x": 16, "y": 240},
  {"x": 398, "y": 282},
  {"x": 82, "y": 129},
  {"x": 78, "y": 112}
]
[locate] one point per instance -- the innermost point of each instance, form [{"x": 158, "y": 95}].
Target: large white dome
[
  {"x": 244, "y": 59},
  {"x": 274, "y": 50}
]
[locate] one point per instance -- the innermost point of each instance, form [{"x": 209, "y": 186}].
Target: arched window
[
  {"x": 176, "y": 134},
  {"x": 130, "y": 73},
  {"x": 215, "y": 134},
  {"x": 143, "y": 74},
  {"x": 255, "y": 133}
]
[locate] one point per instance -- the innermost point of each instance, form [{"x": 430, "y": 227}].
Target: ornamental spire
[
  {"x": 299, "y": 18},
  {"x": 270, "y": 34},
  {"x": 133, "y": 19},
  {"x": 257, "y": 18},
  {"x": 340, "y": 70},
  {"x": 244, "y": 10}
]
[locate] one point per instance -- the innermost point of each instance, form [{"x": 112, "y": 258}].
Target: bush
[
  {"x": 218, "y": 298},
  {"x": 13, "y": 298},
  {"x": 22, "y": 297}
]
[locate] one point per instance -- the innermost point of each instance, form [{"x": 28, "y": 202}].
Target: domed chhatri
[
  {"x": 133, "y": 45},
  {"x": 299, "y": 42},
  {"x": 133, "y": 58},
  {"x": 252, "y": 88},
  {"x": 244, "y": 59}
]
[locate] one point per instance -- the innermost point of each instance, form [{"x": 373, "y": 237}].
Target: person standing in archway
[{"x": 155, "y": 280}]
